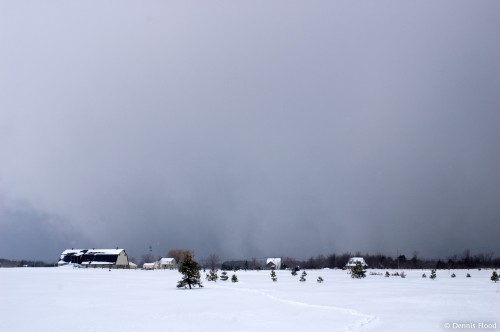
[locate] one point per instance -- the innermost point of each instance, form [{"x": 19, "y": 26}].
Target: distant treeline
[
  {"x": 377, "y": 261},
  {"x": 23, "y": 263}
]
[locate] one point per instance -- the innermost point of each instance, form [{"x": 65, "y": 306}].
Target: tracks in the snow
[{"x": 365, "y": 318}]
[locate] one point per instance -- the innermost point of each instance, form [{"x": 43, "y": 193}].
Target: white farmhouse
[{"x": 167, "y": 263}]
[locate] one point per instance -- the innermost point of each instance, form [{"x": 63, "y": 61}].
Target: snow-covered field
[{"x": 66, "y": 299}]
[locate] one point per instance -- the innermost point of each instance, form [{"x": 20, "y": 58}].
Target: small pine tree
[
  {"x": 320, "y": 280},
  {"x": 212, "y": 276},
  {"x": 453, "y": 275},
  {"x": 294, "y": 272},
  {"x": 223, "y": 276},
  {"x": 387, "y": 274},
  {"x": 234, "y": 278},
  {"x": 468, "y": 275},
  {"x": 494, "y": 276},
  {"x": 190, "y": 273},
  {"x": 358, "y": 271},
  {"x": 273, "y": 276},
  {"x": 303, "y": 276},
  {"x": 402, "y": 274},
  {"x": 424, "y": 275},
  {"x": 433, "y": 274}
]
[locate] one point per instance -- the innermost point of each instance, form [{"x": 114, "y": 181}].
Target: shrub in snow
[
  {"x": 273, "y": 276},
  {"x": 358, "y": 271},
  {"x": 223, "y": 276},
  {"x": 453, "y": 275},
  {"x": 190, "y": 273},
  {"x": 433, "y": 274},
  {"x": 468, "y": 275},
  {"x": 212, "y": 275},
  {"x": 424, "y": 275},
  {"x": 303, "y": 276},
  {"x": 494, "y": 276},
  {"x": 396, "y": 274},
  {"x": 320, "y": 280},
  {"x": 234, "y": 278},
  {"x": 403, "y": 275},
  {"x": 387, "y": 274},
  {"x": 294, "y": 272}
]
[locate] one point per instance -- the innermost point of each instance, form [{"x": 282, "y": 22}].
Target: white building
[
  {"x": 353, "y": 260},
  {"x": 149, "y": 266},
  {"x": 273, "y": 263},
  {"x": 167, "y": 263}
]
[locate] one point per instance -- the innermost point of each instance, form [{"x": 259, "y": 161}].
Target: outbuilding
[
  {"x": 353, "y": 260},
  {"x": 273, "y": 263},
  {"x": 167, "y": 263}
]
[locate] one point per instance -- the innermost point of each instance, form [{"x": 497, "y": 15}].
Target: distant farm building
[
  {"x": 167, "y": 263},
  {"x": 149, "y": 266},
  {"x": 353, "y": 260},
  {"x": 104, "y": 258},
  {"x": 273, "y": 263}
]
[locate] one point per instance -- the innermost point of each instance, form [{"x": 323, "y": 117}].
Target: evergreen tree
[
  {"x": 190, "y": 273},
  {"x": 303, "y": 276},
  {"x": 294, "y": 272},
  {"x": 223, "y": 276},
  {"x": 387, "y": 274},
  {"x": 212, "y": 276},
  {"x": 273, "y": 276},
  {"x": 234, "y": 278},
  {"x": 468, "y": 275},
  {"x": 424, "y": 275},
  {"x": 403, "y": 274},
  {"x": 494, "y": 276},
  {"x": 433, "y": 274},
  {"x": 320, "y": 280},
  {"x": 358, "y": 271}
]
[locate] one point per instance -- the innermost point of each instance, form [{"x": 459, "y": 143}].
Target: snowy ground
[{"x": 66, "y": 299}]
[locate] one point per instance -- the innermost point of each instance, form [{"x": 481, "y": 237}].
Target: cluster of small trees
[{"x": 191, "y": 274}]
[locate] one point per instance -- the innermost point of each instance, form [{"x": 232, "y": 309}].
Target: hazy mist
[{"x": 259, "y": 128}]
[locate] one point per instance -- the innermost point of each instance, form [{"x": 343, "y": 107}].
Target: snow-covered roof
[
  {"x": 105, "y": 251},
  {"x": 167, "y": 261},
  {"x": 72, "y": 252},
  {"x": 353, "y": 260},
  {"x": 66, "y": 255},
  {"x": 275, "y": 261},
  {"x": 148, "y": 264}
]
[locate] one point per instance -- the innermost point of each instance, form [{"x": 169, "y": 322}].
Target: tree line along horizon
[{"x": 466, "y": 260}]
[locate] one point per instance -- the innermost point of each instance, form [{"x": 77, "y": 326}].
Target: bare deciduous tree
[{"x": 180, "y": 254}]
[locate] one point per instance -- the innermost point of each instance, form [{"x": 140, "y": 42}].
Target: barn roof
[
  {"x": 275, "y": 261},
  {"x": 104, "y": 251}
]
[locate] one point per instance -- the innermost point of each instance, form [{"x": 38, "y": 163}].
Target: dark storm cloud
[{"x": 255, "y": 129}]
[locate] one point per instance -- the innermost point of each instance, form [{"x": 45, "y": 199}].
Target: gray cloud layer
[{"x": 251, "y": 129}]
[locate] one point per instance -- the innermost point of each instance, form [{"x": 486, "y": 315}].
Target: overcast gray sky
[{"x": 250, "y": 128}]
